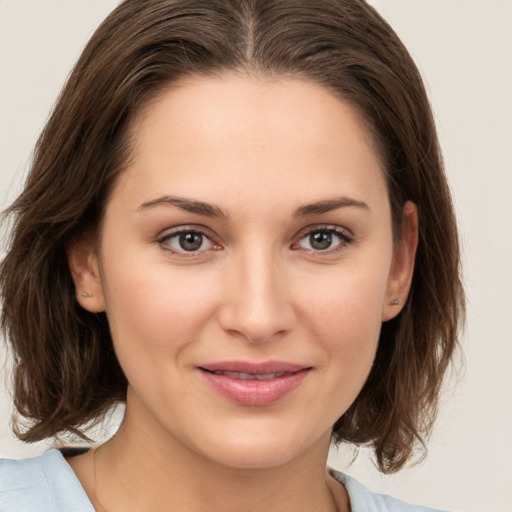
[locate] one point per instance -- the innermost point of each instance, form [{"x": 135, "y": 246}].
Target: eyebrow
[
  {"x": 208, "y": 210},
  {"x": 328, "y": 205},
  {"x": 189, "y": 205}
]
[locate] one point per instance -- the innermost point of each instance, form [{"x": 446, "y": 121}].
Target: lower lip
[{"x": 255, "y": 392}]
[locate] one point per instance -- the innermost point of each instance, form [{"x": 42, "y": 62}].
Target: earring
[
  {"x": 85, "y": 295},
  {"x": 395, "y": 302}
]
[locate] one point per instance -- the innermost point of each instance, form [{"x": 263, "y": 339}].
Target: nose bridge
[{"x": 257, "y": 307}]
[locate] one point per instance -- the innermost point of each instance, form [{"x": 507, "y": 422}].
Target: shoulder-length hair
[{"x": 66, "y": 373}]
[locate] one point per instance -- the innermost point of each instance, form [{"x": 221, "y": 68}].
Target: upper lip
[{"x": 262, "y": 368}]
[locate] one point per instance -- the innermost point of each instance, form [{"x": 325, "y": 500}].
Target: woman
[{"x": 236, "y": 222}]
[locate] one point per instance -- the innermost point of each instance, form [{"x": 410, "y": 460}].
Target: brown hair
[{"x": 66, "y": 373}]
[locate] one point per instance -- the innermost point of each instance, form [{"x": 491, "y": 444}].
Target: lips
[{"x": 254, "y": 384}]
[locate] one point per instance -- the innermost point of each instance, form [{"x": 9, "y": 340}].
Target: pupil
[
  {"x": 320, "y": 240},
  {"x": 191, "y": 241}
]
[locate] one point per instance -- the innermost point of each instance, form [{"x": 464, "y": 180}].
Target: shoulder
[
  {"x": 41, "y": 484},
  {"x": 362, "y": 499}
]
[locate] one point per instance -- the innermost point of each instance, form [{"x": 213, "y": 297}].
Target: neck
[{"x": 139, "y": 471}]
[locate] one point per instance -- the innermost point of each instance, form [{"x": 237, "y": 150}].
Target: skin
[{"x": 257, "y": 149}]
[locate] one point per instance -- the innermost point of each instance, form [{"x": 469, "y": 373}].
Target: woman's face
[{"x": 246, "y": 265}]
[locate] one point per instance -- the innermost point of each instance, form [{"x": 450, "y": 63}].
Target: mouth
[
  {"x": 250, "y": 376},
  {"x": 254, "y": 384}
]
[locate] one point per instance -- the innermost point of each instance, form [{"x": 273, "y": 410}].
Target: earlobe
[
  {"x": 402, "y": 268},
  {"x": 84, "y": 268}
]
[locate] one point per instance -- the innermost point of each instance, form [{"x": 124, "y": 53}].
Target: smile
[{"x": 252, "y": 384}]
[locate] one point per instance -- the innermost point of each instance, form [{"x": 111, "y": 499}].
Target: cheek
[
  {"x": 353, "y": 324},
  {"x": 348, "y": 303},
  {"x": 346, "y": 324},
  {"x": 152, "y": 308}
]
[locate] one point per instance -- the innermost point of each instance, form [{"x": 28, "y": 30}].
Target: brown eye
[
  {"x": 187, "y": 241},
  {"x": 324, "y": 239},
  {"x": 320, "y": 240},
  {"x": 191, "y": 241}
]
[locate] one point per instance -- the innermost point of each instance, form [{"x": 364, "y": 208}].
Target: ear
[
  {"x": 84, "y": 267},
  {"x": 402, "y": 266}
]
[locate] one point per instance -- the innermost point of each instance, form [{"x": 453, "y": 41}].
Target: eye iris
[
  {"x": 320, "y": 240},
  {"x": 191, "y": 241}
]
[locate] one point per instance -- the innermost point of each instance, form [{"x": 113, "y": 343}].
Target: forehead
[{"x": 207, "y": 135}]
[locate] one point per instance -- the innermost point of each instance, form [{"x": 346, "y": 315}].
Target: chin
[
  {"x": 251, "y": 458},
  {"x": 262, "y": 451}
]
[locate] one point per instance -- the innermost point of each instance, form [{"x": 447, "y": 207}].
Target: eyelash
[{"x": 344, "y": 240}]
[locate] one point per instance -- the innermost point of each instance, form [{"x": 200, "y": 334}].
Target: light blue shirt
[{"x": 48, "y": 484}]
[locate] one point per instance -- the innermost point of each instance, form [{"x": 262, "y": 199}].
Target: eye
[
  {"x": 324, "y": 239},
  {"x": 187, "y": 241}
]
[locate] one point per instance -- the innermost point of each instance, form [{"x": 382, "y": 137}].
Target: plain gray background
[{"x": 464, "y": 50}]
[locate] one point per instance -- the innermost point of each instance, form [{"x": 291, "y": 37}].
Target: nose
[{"x": 256, "y": 305}]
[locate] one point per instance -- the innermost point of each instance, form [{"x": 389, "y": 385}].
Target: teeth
[
  {"x": 242, "y": 376},
  {"x": 250, "y": 376},
  {"x": 269, "y": 376}
]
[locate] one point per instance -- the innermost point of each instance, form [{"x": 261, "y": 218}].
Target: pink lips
[{"x": 254, "y": 384}]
